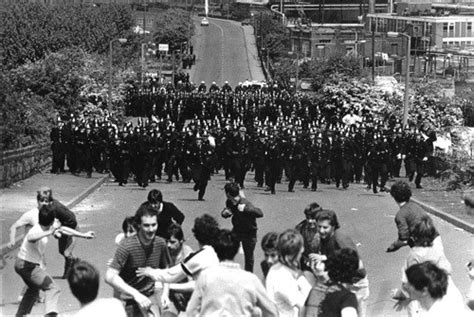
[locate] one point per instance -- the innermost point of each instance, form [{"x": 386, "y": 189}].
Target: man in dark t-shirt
[{"x": 145, "y": 249}]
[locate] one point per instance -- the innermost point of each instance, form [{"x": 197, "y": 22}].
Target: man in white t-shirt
[
  {"x": 30, "y": 262},
  {"x": 351, "y": 118},
  {"x": 30, "y": 265},
  {"x": 84, "y": 282},
  {"x": 29, "y": 218}
]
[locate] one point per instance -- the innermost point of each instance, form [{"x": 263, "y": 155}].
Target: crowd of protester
[
  {"x": 314, "y": 269},
  {"x": 189, "y": 134}
]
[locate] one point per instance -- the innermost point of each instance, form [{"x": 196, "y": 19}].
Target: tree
[
  {"x": 274, "y": 33},
  {"x": 334, "y": 69},
  {"x": 174, "y": 26},
  {"x": 31, "y": 30}
]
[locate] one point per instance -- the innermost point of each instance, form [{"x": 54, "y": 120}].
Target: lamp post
[
  {"x": 122, "y": 41},
  {"x": 296, "y": 54},
  {"x": 407, "y": 75}
]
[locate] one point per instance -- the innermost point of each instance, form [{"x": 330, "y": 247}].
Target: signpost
[{"x": 162, "y": 48}]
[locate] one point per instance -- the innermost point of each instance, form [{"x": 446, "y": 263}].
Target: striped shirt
[{"x": 131, "y": 255}]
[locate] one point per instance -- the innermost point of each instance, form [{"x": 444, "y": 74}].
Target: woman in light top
[
  {"x": 428, "y": 285},
  {"x": 285, "y": 283},
  {"x": 422, "y": 250}
]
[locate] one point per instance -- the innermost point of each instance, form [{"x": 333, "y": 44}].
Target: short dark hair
[
  {"x": 400, "y": 191},
  {"x": 46, "y": 215},
  {"x": 232, "y": 189},
  {"x": 312, "y": 209},
  {"x": 327, "y": 214},
  {"x": 428, "y": 275},
  {"x": 145, "y": 210},
  {"x": 269, "y": 241},
  {"x": 128, "y": 221},
  {"x": 175, "y": 230},
  {"x": 343, "y": 265},
  {"x": 205, "y": 229},
  {"x": 155, "y": 196},
  {"x": 83, "y": 281},
  {"x": 226, "y": 245},
  {"x": 424, "y": 232}
]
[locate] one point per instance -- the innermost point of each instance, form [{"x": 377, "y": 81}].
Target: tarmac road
[
  {"x": 367, "y": 218},
  {"x": 225, "y": 51}
]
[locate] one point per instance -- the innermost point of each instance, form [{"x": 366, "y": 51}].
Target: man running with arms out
[{"x": 30, "y": 262}]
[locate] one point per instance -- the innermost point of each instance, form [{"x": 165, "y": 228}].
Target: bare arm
[
  {"x": 23, "y": 221},
  {"x": 71, "y": 232},
  {"x": 35, "y": 236},
  {"x": 13, "y": 229},
  {"x": 173, "y": 274},
  {"x": 113, "y": 278}
]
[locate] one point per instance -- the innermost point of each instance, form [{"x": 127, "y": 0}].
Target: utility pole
[
  {"x": 144, "y": 16},
  {"x": 373, "y": 50},
  {"x": 143, "y": 64}
]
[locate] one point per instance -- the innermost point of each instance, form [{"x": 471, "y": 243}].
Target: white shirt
[
  {"x": 350, "y": 119},
  {"x": 287, "y": 289},
  {"x": 33, "y": 251},
  {"x": 29, "y": 218},
  {"x": 102, "y": 307},
  {"x": 200, "y": 260},
  {"x": 444, "y": 307}
]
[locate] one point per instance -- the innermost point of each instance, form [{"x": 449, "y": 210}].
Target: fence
[{"x": 21, "y": 163}]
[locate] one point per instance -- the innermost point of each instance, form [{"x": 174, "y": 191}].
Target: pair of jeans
[
  {"x": 36, "y": 278},
  {"x": 248, "y": 245}
]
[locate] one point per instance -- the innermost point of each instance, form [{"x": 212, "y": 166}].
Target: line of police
[{"x": 236, "y": 138}]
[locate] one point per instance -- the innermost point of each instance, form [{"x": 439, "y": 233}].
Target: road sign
[{"x": 163, "y": 47}]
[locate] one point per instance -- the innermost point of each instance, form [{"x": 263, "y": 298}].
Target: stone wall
[{"x": 21, "y": 163}]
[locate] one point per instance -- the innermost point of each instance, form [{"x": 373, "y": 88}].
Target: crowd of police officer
[{"x": 190, "y": 135}]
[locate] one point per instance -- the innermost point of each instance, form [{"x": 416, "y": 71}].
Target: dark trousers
[
  {"x": 248, "y": 245},
  {"x": 59, "y": 155},
  {"x": 272, "y": 170},
  {"x": 410, "y": 168},
  {"x": 342, "y": 171},
  {"x": 142, "y": 170},
  {"x": 98, "y": 161},
  {"x": 239, "y": 171},
  {"x": 121, "y": 169},
  {"x": 293, "y": 173},
  {"x": 358, "y": 167},
  {"x": 259, "y": 170},
  {"x": 379, "y": 170},
  {"x": 36, "y": 279},
  {"x": 171, "y": 168},
  {"x": 315, "y": 172},
  {"x": 420, "y": 170},
  {"x": 201, "y": 176},
  {"x": 72, "y": 159},
  {"x": 396, "y": 166}
]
